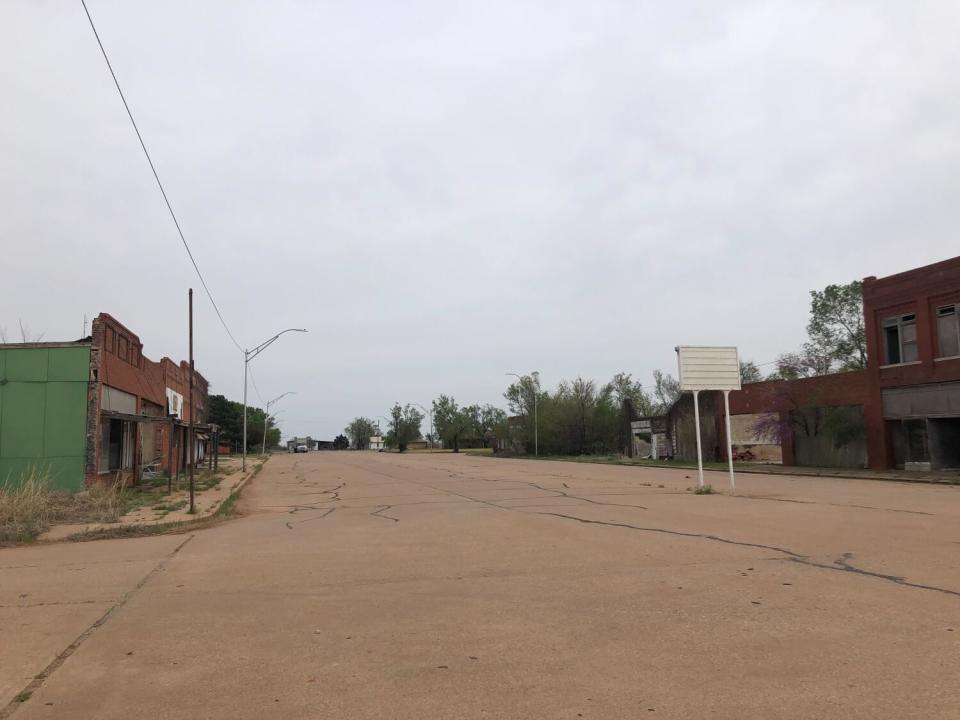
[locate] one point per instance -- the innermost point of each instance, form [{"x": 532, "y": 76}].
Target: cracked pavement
[{"x": 365, "y": 585}]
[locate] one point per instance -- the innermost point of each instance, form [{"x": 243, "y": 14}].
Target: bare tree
[{"x": 25, "y": 334}]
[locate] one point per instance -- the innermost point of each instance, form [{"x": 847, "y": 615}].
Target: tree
[
  {"x": 523, "y": 398},
  {"x": 404, "y": 426},
  {"x": 749, "y": 372},
  {"x": 484, "y": 421},
  {"x": 807, "y": 363},
  {"x": 451, "y": 421},
  {"x": 340, "y": 442},
  {"x": 623, "y": 387},
  {"x": 666, "y": 389},
  {"x": 359, "y": 431},
  {"x": 229, "y": 416},
  {"x": 836, "y": 328}
]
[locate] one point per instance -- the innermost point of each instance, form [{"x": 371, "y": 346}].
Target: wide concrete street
[{"x": 364, "y": 585}]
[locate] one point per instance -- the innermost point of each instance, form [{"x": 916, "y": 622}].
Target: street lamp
[
  {"x": 430, "y": 411},
  {"x": 536, "y": 432},
  {"x": 249, "y": 355},
  {"x": 266, "y": 419}
]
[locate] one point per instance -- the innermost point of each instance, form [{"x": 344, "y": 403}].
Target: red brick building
[
  {"x": 137, "y": 408},
  {"x": 913, "y": 367},
  {"x": 906, "y": 403}
]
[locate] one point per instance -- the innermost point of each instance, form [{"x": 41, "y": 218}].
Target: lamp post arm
[{"x": 251, "y": 354}]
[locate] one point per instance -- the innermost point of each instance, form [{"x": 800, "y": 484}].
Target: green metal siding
[{"x": 43, "y": 411}]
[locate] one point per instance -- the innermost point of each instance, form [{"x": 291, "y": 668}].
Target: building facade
[
  {"x": 912, "y": 322},
  {"x": 96, "y": 410}
]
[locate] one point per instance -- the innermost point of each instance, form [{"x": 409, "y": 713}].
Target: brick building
[
  {"x": 95, "y": 409},
  {"x": 137, "y": 409},
  {"x": 903, "y": 410},
  {"x": 912, "y": 323}
]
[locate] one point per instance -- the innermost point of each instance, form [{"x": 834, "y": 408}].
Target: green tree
[
  {"x": 359, "y": 431},
  {"x": 485, "y": 421},
  {"x": 451, "y": 421},
  {"x": 229, "y": 416},
  {"x": 836, "y": 329},
  {"x": 666, "y": 389},
  {"x": 623, "y": 387},
  {"x": 404, "y": 426},
  {"x": 749, "y": 372},
  {"x": 341, "y": 442}
]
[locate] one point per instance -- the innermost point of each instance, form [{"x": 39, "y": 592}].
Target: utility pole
[
  {"x": 190, "y": 437},
  {"x": 430, "y": 412}
]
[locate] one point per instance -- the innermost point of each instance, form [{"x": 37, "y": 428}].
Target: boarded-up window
[
  {"x": 118, "y": 401},
  {"x": 122, "y": 348},
  {"x": 110, "y": 339},
  {"x": 948, "y": 330}
]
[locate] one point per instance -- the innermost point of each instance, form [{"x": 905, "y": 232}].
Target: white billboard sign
[{"x": 708, "y": 368}]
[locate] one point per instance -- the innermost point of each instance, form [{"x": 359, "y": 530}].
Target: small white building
[{"x": 376, "y": 443}]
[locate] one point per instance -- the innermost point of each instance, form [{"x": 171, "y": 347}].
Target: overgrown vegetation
[
  {"x": 581, "y": 417},
  {"x": 703, "y": 490},
  {"x": 29, "y": 506}
]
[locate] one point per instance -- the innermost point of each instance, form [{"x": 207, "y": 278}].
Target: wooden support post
[
  {"x": 170, "y": 458},
  {"x": 191, "y": 443}
]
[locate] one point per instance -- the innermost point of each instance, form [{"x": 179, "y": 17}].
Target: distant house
[{"x": 375, "y": 443}]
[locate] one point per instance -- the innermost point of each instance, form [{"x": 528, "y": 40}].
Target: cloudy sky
[{"x": 444, "y": 192}]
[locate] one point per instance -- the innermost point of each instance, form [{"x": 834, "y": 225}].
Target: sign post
[{"x": 710, "y": 368}]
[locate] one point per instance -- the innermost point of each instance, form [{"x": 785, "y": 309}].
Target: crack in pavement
[
  {"x": 842, "y": 564},
  {"x": 385, "y": 517},
  {"x": 52, "y": 603},
  {"x": 40, "y": 678},
  {"x": 300, "y": 522}
]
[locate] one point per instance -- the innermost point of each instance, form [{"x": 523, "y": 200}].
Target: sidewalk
[
  {"x": 210, "y": 492},
  {"x": 946, "y": 477}
]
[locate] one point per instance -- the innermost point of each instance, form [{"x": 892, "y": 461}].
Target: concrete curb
[{"x": 947, "y": 479}]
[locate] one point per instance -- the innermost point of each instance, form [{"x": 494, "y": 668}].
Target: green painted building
[{"x": 43, "y": 412}]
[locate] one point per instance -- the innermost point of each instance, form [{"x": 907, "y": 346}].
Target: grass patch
[
  {"x": 225, "y": 511},
  {"x": 29, "y": 507},
  {"x": 478, "y": 451},
  {"x": 703, "y": 490}
]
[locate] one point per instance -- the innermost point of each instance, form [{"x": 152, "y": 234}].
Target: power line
[
  {"x": 157, "y": 177},
  {"x": 253, "y": 382}
]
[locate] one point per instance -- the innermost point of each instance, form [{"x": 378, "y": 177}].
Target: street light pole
[
  {"x": 379, "y": 433},
  {"x": 249, "y": 355},
  {"x": 266, "y": 419},
  {"x": 430, "y": 412}
]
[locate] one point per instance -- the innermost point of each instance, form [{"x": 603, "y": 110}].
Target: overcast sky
[{"x": 445, "y": 192}]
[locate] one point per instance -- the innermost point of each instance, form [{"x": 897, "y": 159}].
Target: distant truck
[{"x": 300, "y": 448}]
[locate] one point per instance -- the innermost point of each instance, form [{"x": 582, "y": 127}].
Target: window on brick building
[
  {"x": 122, "y": 347},
  {"x": 900, "y": 339},
  {"x": 109, "y": 340},
  {"x": 948, "y": 330}
]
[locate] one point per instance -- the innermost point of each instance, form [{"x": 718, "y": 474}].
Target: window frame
[
  {"x": 900, "y": 322},
  {"x": 954, "y": 309}
]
